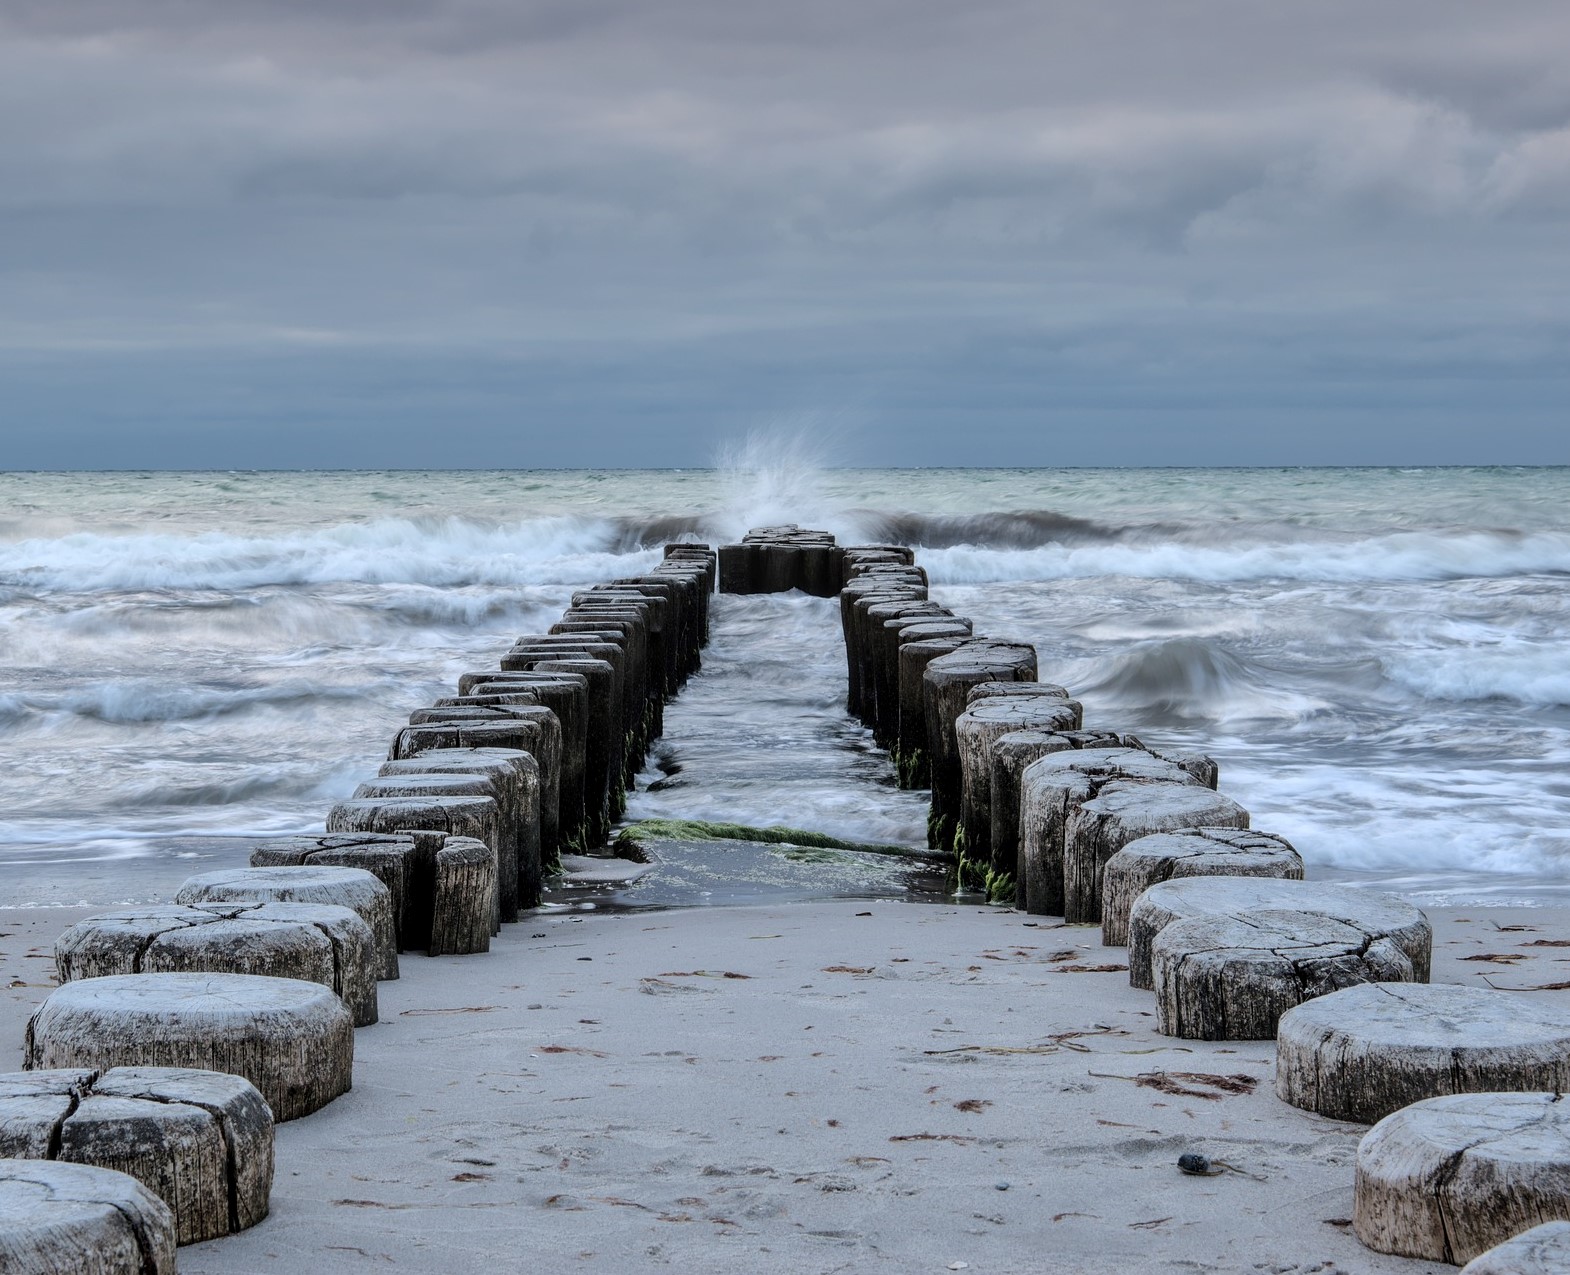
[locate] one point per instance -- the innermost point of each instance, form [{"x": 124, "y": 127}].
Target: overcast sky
[{"x": 281, "y": 233}]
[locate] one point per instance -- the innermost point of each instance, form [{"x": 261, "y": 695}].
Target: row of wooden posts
[
  {"x": 1470, "y": 1146},
  {"x": 534, "y": 757},
  {"x": 181, "y": 1033},
  {"x": 238, "y": 1002}
]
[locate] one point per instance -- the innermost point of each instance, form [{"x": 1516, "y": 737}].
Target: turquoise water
[{"x": 1378, "y": 658}]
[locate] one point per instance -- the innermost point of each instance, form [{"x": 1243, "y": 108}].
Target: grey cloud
[{"x": 1032, "y": 196}]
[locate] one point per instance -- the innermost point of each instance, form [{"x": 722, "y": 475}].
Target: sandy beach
[{"x": 808, "y": 1087}]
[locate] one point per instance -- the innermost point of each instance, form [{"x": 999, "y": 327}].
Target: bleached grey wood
[
  {"x": 466, "y": 784},
  {"x": 915, "y": 766},
  {"x": 987, "y": 719},
  {"x": 436, "y": 817},
  {"x": 1365, "y": 1052},
  {"x": 74, "y": 1219},
  {"x": 33, "y": 1104},
  {"x": 201, "y": 1141},
  {"x": 946, "y": 684},
  {"x": 1125, "y": 810},
  {"x": 1369, "y": 910},
  {"x": 1544, "y": 1250},
  {"x": 403, "y": 862},
  {"x": 1051, "y": 788},
  {"x": 1449, "y": 1178},
  {"x": 1232, "y": 977},
  {"x": 1014, "y": 690},
  {"x": 567, "y": 695},
  {"x": 321, "y": 943},
  {"x": 1194, "y": 852},
  {"x": 1011, "y": 753},
  {"x": 357, "y": 889},
  {"x": 518, "y": 774},
  {"x": 464, "y": 816},
  {"x": 293, "y": 1040},
  {"x": 465, "y": 898}
]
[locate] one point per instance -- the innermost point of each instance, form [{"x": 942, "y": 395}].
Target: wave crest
[
  {"x": 1537, "y": 676},
  {"x": 444, "y": 552},
  {"x": 1181, "y": 680},
  {"x": 132, "y": 701},
  {"x": 1405, "y": 556}
]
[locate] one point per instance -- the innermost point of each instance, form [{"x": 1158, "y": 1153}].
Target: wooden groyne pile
[
  {"x": 779, "y": 559},
  {"x": 182, "y": 1032}
]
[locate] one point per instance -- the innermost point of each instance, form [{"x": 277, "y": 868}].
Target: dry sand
[{"x": 804, "y": 1088}]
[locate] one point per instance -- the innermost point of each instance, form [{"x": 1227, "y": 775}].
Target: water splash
[{"x": 775, "y": 474}]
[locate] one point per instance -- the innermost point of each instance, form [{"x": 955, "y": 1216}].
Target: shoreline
[{"x": 602, "y": 1090}]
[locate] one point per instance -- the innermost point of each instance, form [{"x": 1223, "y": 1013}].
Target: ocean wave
[
  {"x": 222, "y": 792},
  {"x": 1389, "y": 817},
  {"x": 1023, "y": 529},
  {"x": 1405, "y": 556},
  {"x": 1180, "y": 680},
  {"x": 470, "y": 608},
  {"x": 442, "y": 552},
  {"x": 1537, "y": 676},
  {"x": 131, "y": 701}
]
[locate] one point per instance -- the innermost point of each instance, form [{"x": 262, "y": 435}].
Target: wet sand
[{"x": 808, "y": 1087}]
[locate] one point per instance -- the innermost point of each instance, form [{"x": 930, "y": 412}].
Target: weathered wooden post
[
  {"x": 315, "y": 942},
  {"x": 293, "y": 1040},
  {"x": 1052, "y": 789},
  {"x": 985, "y": 720},
  {"x": 289, "y": 878},
  {"x": 946, "y": 684},
  {"x": 201, "y": 1141},
  {"x": 517, "y": 778}
]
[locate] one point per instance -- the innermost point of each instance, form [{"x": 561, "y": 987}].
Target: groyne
[{"x": 265, "y": 974}]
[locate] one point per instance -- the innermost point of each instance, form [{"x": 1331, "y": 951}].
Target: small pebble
[
  {"x": 1193, "y": 1162},
  {"x": 1002, "y": 1186}
]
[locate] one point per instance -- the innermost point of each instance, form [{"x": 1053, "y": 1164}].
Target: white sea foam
[
  {"x": 1532, "y": 674},
  {"x": 1461, "y": 820},
  {"x": 1407, "y": 556},
  {"x": 133, "y": 700},
  {"x": 446, "y": 552}
]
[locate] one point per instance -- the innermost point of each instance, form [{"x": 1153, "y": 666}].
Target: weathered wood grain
[
  {"x": 1194, "y": 852},
  {"x": 201, "y": 1141},
  {"x": 1368, "y": 910},
  {"x": 1365, "y": 1052},
  {"x": 1051, "y": 789},
  {"x": 986, "y": 719},
  {"x": 74, "y": 1219},
  {"x": 946, "y": 684},
  {"x": 320, "y": 943},
  {"x": 1125, "y": 810},
  {"x": 1449, "y": 1178},
  {"x": 1544, "y": 1250},
  {"x": 293, "y": 1040},
  {"x": 310, "y": 881},
  {"x": 1232, "y": 977},
  {"x": 465, "y": 898}
]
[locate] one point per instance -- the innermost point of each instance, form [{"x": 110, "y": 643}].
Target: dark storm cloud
[{"x": 1184, "y": 198}]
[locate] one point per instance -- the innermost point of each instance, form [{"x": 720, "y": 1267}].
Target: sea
[{"x": 1379, "y": 659}]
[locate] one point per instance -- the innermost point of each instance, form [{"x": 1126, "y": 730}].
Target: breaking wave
[
  {"x": 444, "y": 552},
  {"x": 1181, "y": 680},
  {"x": 1406, "y": 556},
  {"x": 1537, "y": 676},
  {"x": 1026, "y": 529},
  {"x": 137, "y": 700}
]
